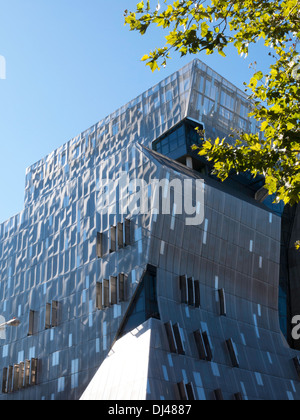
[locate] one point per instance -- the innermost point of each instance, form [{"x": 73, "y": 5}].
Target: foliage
[{"x": 211, "y": 25}]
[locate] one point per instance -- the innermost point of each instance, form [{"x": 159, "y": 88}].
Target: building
[{"x": 146, "y": 304}]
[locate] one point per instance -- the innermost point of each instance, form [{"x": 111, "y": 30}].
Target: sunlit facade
[{"x": 144, "y": 306}]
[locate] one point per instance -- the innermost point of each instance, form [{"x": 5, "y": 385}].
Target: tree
[{"x": 212, "y": 25}]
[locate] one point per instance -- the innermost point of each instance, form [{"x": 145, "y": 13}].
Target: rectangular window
[
  {"x": 99, "y": 245},
  {"x": 27, "y": 373},
  {"x": 113, "y": 291},
  {"x": 233, "y": 353},
  {"x": 178, "y": 338},
  {"x": 10, "y": 379},
  {"x": 21, "y": 375},
  {"x": 218, "y": 395},
  {"x": 55, "y": 308},
  {"x": 34, "y": 369},
  {"x": 182, "y": 391},
  {"x": 191, "y": 292},
  {"x": 190, "y": 391},
  {"x": 171, "y": 337},
  {"x": 120, "y": 236},
  {"x": 208, "y": 348},
  {"x": 31, "y": 323},
  {"x": 127, "y": 241},
  {"x": 222, "y": 297},
  {"x": 105, "y": 293},
  {"x": 183, "y": 289},
  {"x": 197, "y": 294},
  {"x": 16, "y": 377},
  {"x": 4, "y": 380},
  {"x": 122, "y": 287},
  {"x": 112, "y": 239},
  {"x": 238, "y": 396},
  {"x": 200, "y": 345},
  {"x": 99, "y": 304},
  {"x": 48, "y": 316}
]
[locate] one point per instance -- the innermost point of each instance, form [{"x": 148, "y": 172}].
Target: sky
[{"x": 69, "y": 64}]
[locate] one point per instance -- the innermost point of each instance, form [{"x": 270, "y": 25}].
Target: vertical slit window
[
  {"x": 200, "y": 345},
  {"x": 222, "y": 298},
  {"x": 190, "y": 391},
  {"x": 122, "y": 287},
  {"x": 219, "y": 395},
  {"x": 191, "y": 292},
  {"x": 16, "y": 377},
  {"x": 127, "y": 238},
  {"x": 238, "y": 396},
  {"x": 113, "y": 244},
  {"x": 34, "y": 368},
  {"x": 99, "y": 245},
  {"x": 171, "y": 337},
  {"x": 183, "y": 289},
  {"x": 197, "y": 294},
  {"x": 120, "y": 236},
  {"x": 10, "y": 378},
  {"x": 48, "y": 316},
  {"x": 113, "y": 291},
  {"x": 182, "y": 391},
  {"x": 27, "y": 373},
  {"x": 31, "y": 323},
  {"x": 178, "y": 338},
  {"x": 207, "y": 346},
  {"x": 21, "y": 375},
  {"x": 105, "y": 293},
  {"x": 233, "y": 353},
  {"x": 99, "y": 304},
  {"x": 55, "y": 307},
  {"x": 4, "y": 380}
]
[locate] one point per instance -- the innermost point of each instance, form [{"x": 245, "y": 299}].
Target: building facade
[{"x": 176, "y": 302}]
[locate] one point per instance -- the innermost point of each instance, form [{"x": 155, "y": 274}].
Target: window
[
  {"x": 296, "y": 361},
  {"x": 99, "y": 296},
  {"x": 113, "y": 243},
  {"x": 32, "y": 322},
  {"x": 183, "y": 289},
  {"x": 120, "y": 235},
  {"x": 122, "y": 287},
  {"x": 127, "y": 232},
  {"x": 182, "y": 391},
  {"x": 238, "y": 396},
  {"x": 233, "y": 353},
  {"x": 200, "y": 345},
  {"x": 208, "y": 348},
  {"x": 218, "y": 395},
  {"x": 105, "y": 293},
  {"x": 113, "y": 291},
  {"x": 191, "y": 292},
  {"x": 19, "y": 376},
  {"x": 4, "y": 381},
  {"x": 175, "y": 338},
  {"x": 222, "y": 298},
  {"x": 99, "y": 245},
  {"x": 52, "y": 315}
]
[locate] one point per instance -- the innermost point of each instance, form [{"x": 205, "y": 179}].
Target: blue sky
[{"x": 70, "y": 63}]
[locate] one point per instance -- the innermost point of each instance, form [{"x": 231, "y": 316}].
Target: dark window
[
  {"x": 113, "y": 291},
  {"x": 191, "y": 292},
  {"x": 48, "y": 316},
  {"x": 99, "y": 304},
  {"x": 127, "y": 232},
  {"x": 4, "y": 380},
  {"x": 197, "y": 294},
  {"x": 21, "y": 375},
  {"x": 10, "y": 379},
  {"x": 122, "y": 287},
  {"x": 233, "y": 353},
  {"x": 16, "y": 377},
  {"x": 27, "y": 373},
  {"x": 190, "y": 391},
  {"x": 222, "y": 297},
  {"x": 113, "y": 239},
  {"x": 219, "y": 395},
  {"x": 55, "y": 313},
  {"x": 171, "y": 337},
  {"x": 179, "y": 339},
  {"x": 200, "y": 345},
  {"x": 207, "y": 346},
  {"x": 105, "y": 293},
  {"x": 99, "y": 245},
  {"x": 238, "y": 396},
  {"x": 34, "y": 369},
  {"x": 182, "y": 391},
  {"x": 120, "y": 236},
  {"x": 183, "y": 289},
  {"x": 32, "y": 316}
]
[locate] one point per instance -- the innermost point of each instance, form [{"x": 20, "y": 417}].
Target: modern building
[{"x": 177, "y": 302}]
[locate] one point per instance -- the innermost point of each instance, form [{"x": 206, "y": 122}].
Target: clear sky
[{"x": 71, "y": 63}]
